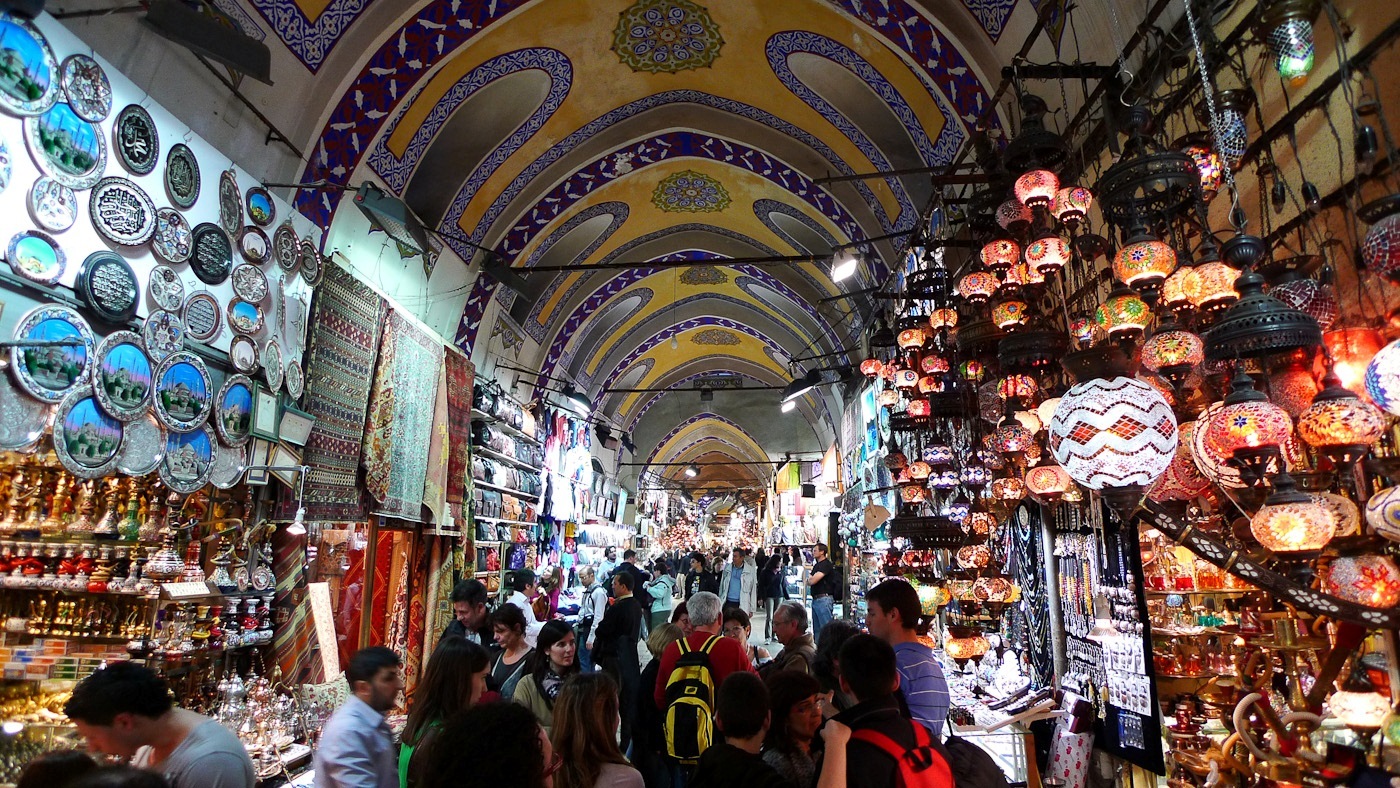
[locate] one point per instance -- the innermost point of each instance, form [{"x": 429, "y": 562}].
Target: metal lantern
[
  {"x": 1383, "y": 378},
  {"x": 1380, "y": 249},
  {"x": 1259, "y": 325},
  {"x": 1047, "y": 482},
  {"x": 1290, "y": 521},
  {"x": 1122, "y": 313},
  {"x": 1144, "y": 262},
  {"x": 1338, "y": 424},
  {"x": 1014, "y": 217},
  {"x": 1009, "y": 315},
  {"x": 1182, "y": 481},
  {"x": 1117, "y": 432},
  {"x": 1072, "y": 204},
  {"x": 978, "y": 286},
  {"x": 1047, "y": 254},
  {"x": 1037, "y": 188},
  {"x": 1000, "y": 254},
  {"x": 871, "y": 367}
]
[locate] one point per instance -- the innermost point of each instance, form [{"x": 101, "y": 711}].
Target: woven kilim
[
  {"x": 461, "y": 376},
  {"x": 294, "y": 645},
  {"x": 435, "y": 482},
  {"x": 340, "y": 368},
  {"x": 401, "y": 406}
]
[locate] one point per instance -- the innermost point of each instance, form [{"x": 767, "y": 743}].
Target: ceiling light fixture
[
  {"x": 576, "y": 399},
  {"x": 789, "y": 406},
  {"x": 802, "y": 385},
  {"x": 844, "y": 264},
  {"x": 692, "y": 470}
]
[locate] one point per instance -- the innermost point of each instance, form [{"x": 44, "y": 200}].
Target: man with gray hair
[
  {"x": 726, "y": 655},
  {"x": 790, "y": 628}
]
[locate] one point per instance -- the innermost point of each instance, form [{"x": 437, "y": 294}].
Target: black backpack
[{"x": 971, "y": 766}]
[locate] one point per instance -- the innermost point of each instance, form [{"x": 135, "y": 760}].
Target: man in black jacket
[
  {"x": 616, "y": 648},
  {"x": 868, "y": 674},
  {"x": 743, "y": 716},
  {"x": 469, "y": 619}
]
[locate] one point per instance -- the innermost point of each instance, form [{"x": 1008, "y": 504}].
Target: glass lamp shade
[
  {"x": 1048, "y": 254},
  {"x": 1008, "y": 489},
  {"x": 1247, "y": 425},
  {"x": 1165, "y": 350},
  {"x": 1347, "y": 515},
  {"x": 1012, "y": 438},
  {"x": 972, "y": 370},
  {"x": 1020, "y": 386},
  {"x": 1037, "y": 188},
  {"x": 938, "y": 455},
  {"x": 966, "y": 647},
  {"x": 1233, "y": 130},
  {"x": 920, "y": 471},
  {"x": 1372, "y": 581},
  {"x": 1383, "y": 378},
  {"x": 1360, "y": 710},
  {"x": 1291, "y": 44},
  {"x": 1029, "y": 420},
  {"x": 1000, "y": 254},
  {"x": 1182, "y": 481},
  {"x": 931, "y": 598},
  {"x": 975, "y": 476},
  {"x": 1047, "y": 482},
  {"x": 912, "y": 493},
  {"x": 1013, "y": 216},
  {"x": 974, "y": 556},
  {"x": 1380, "y": 249},
  {"x": 1351, "y": 350},
  {"x": 911, "y": 338},
  {"x": 887, "y": 398},
  {"x": 888, "y": 372},
  {"x": 1213, "y": 460},
  {"x": 1211, "y": 168},
  {"x": 957, "y": 511},
  {"x": 994, "y": 589},
  {"x": 1312, "y": 298},
  {"x": 871, "y": 367},
  {"x": 1383, "y": 513},
  {"x": 943, "y": 318},
  {"x": 1046, "y": 411},
  {"x": 1215, "y": 286},
  {"x": 1025, "y": 274},
  {"x": 1072, "y": 204},
  {"x": 1180, "y": 290},
  {"x": 933, "y": 365},
  {"x": 896, "y": 461},
  {"x": 978, "y": 287},
  {"x": 1122, "y": 313},
  {"x": 1291, "y": 521},
  {"x": 930, "y": 384},
  {"x": 943, "y": 480},
  {"x": 1341, "y": 422},
  {"x": 1293, "y": 389},
  {"x": 906, "y": 379},
  {"x": 1009, "y": 315},
  {"x": 981, "y": 523},
  {"x": 1144, "y": 263},
  {"x": 1113, "y": 433},
  {"x": 918, "y": 408}
]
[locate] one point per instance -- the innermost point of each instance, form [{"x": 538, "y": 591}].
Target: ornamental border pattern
[{"x": 310, "y": 40}]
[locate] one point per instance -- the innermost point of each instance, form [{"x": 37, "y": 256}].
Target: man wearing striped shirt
[{"x": 893, "y": 616}]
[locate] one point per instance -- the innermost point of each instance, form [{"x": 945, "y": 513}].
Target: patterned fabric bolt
[{"x": 397, "y": 437}]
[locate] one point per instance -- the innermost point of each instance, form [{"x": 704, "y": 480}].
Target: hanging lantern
[
  {"x": 974, "y": 557},
  {"x": 1380, "y": 249},
  {"x": 972, "y": 370},
  {"x": 1312, "y": 298},
  {"x": 1208, "y": 163},
  {"x": 1047, "y": 254},
  {"x": 1029, "y": 420},
  {"x": 1000, "y": 254},
  {"x": 871, "y": 367},
  {"x": 1011, "y": 438},
  {"x": 1047, "y": 482},
  {"x": 1290, "y": 521},
  {"x": 912, "y": 493},
  {"x": 1022, "y": 387},
  {"x": 1215, "y": 286},
  {"x": 943, "y": 480},
  {"x": 1383, "y": 378},
  {"x": 1181, "y": 289},
  {"x": 1351, "y": 350},
  {"x": 978, "y": 286},
  {"x": 943, "y": 318},
  {"x": 1113, "y": 433},
  {"x": 887, "y": 398},
  {"x": 1084, "y": 330},
  {"x": 895, "y": 460},
  {"x": 1343, "y": 511},
  {"x": 920, "y": 471},
  {"x": 1289, "y": 26},
  {"x": 1144, "y": 262},
  {"x": 888, "y": 372},
  {"x": 1173, "y": 353},
  {"x": 981, "y": 523},
  {"x": 1014, "y": 217},
  {"x": 1249, "y": 429},
  {"x": 1072, "y": 204},
  {"x": 1339, "y": 425},
  {"x": 1293, "y": 389},
  {"x": 1025, "y": 274},
  {"x": 938, "y": 455},
  {"x": 1383, "y": 513},
  {"x": 975, "y": 476},
  {"x": 1259, "y": 325},
  {"x": 1037, "y": 188},
  {"x": 933, "y": 365},
  {"x": 930, "y": 384},
  {"x": 1359, "y": 706},
  {"x": 995, "y": 590},
  {"x": 964, "y": 643},
  {"x": 906, "y": 379},
  {"x": 1123, "y": 313},
  {"x": 957, "y": 511},
  {"x": 1231, "y": 133},
  {"x": 1218, "y": 464},
  {"x": 918, "y": 408},
  {"x": 1009, "y": 315},
  {"x": 1182, "y": 481},
  {"x": 1008, "y": 489},
  {"x": 911, "y": 339},
  {"x": 1046, "y": 410}
]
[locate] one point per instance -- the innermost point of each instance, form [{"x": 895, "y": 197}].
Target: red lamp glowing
[
  {"x": 1047, "y": 254},
  {"x": 1144, "y": 262},
  {"x": 1072, "y": 204},
  {"x": 1037, "y": 188},
  {"x": 871, "y": 367},
  {"x": 1000, "y": 254},
  {"x": 978, "y": 286}
]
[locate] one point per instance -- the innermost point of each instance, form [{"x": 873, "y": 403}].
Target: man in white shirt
[
  {"x": 607, "y": 565},
  {"x": 590, "y": 615},
  {"x": 738, "y": 586},
  {"x": 524, "y": 587}
]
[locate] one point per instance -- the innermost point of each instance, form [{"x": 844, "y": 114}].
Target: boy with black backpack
[{"x": 886, "y": 748}]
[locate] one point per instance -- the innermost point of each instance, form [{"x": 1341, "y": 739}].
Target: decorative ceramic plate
[
  {"x": 249, "y": 283},
  {"x": 67, "y": 148},
  {"x": 108, "y": 286},
  {"x": 122, "y": 211},
  {"x": 23, "y": 419},
  {"x": 136, "y": 140},
  {"x": 163, "y": 335},
  {"x": 296, "y": 381},
  {"x": 122, "y": 376},
  {"x": 272, "y": 365},
  {"x": 86, "y": 85},
  {"x": 165, "y": 288},
  {"x": 189, "y": 460},
  {"x": 285, "y": 246},
  {"x": 229, "y": 467},
  {"x": 51, "y": 373},
  {"x": 53, "y": 205},
  {"x": 203, "y": 317},
  {"x": 182, "y": 176},
  {"x": 230, "y": 203},
  {"x": 261, "y": 209},
  {"x": 184, "y": 393},
  {"x": 35, "y": 87},
  {"x": 233, "y": 416},
  {"x": 36, "y": 256},
  {"x": 87, "y": 440},
  {"x": 5, "y": 165},
  {"x": 212, "y": 255},
  {"x": 245, "y": 317},
  {"x": 253, "y": 244},
  {"x": 173, "y": 241},
  {"x": 310, "y": 261},
  {"x": 243, "y": 354},
  {"x": 143, "y": 446}
]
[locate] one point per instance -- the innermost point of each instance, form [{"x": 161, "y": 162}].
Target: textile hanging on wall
[
  {"x": 396, "y": 439},
  {"x": 348, "y": 591},
  {"x": 295, "y": 642},
  {"x": 382, "y": 600},
  {"x": 461, "y": 377},
  {"x": 339, "y": 369},
  {"x": 437, "y": 602},
  {"x": 435, "y": 480},
  {"x": 403, "y": 584}
]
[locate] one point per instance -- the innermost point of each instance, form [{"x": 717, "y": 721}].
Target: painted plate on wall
[
  {"x": 230, "y": 203},
  {"x": 189, "y": 460},
  {"x": 143, "y": 446},
  {"x": 311, "y": 264},
  {"x": 30, "y": 84},
  {"x": 249, "y": 283},
  {"x": 122, "y": 376},
  {"x": 87, "y": 440},
  {"x": 36, "y": 256},
  {"x": 163, "y": 335},
  {"x": 261, "y": 209},
  {"x": 296, "y": 381},
  {"x": 234, "y": 410},
  {"x": 243, "y": 354},
  {"x": 67, "y": 148},
  {"x": 182, "y": 176},
  {"x": 165, "y": 288},
  {"x": 184, "y": 395},
  {"x": 211, "y": 257},
  {"x": 122, "y": 211},
  {"x": 173, "y": 240},
  {"x": 136, "y": 139},
  {"x": 23, "y": 419},
  {"x": 229, "y": 467},
  {"x": 53, "y": 205},
  {"x": 86, "y": 85},
  {"x": 51, "y": 373},
  {"x": 285, "y": 246},
  {"x": 245, "y": 317},
  {"x": 5, "y": 165},
  {"x": 107, "y": 285},
  {"x": 203, "y": 318},
  {"x": 272, "y": 365},
  {"x": 254, "y": 245}
]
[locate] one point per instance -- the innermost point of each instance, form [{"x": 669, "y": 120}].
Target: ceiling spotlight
[
  {"x": 692, "y": 470},
  {"x": 802, "y": 385},
  {"x": 393, "y": 217},
  {"x": 576, "y": 399},
  {"x": 790, "y": 406},
  {"x": 844, "y": 264}
]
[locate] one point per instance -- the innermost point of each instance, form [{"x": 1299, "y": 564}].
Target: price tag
[{"x": 186, "y": 590}]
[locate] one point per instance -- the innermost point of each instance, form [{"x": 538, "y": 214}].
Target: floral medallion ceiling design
[
  {"x": 690, "y": 191},
  {"x": 715, "y": 336},
  {"x": 699, "y": 275},
  {"x": 666, "y": 36}
]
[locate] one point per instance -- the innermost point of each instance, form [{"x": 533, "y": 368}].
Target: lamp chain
[
  {"x": 1124, "y": 75},
  {"x": 1215, "y": 121}
]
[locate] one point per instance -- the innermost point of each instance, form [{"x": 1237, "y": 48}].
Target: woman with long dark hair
[
  {"x": 453, "y": 681},
  {"x": 513, "y": 660},
  {"x": 555, "y": 660},
  {"x": 795, "y": 702},
  {"x": 770, "y": 590},
  {"x": 586, "y": 720},
  {"x": 491, "y": 745}
]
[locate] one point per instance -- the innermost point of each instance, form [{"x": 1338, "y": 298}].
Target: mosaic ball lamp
[
  {"x": 943, "y": 480},
  {"x": 957, "y": 511},
  {"x": 1380, "y": 249},
  {"x": 931, "y": 598},
  {"x": 1351, "y": 350},
  {"x": 964, "y": 644},
  {"x": 1029, "y": 419},
  {"x": 1009, "y": 315},
  {"x": 1182, "y": 480},
  {"x": 1022, "y": 387},
  {"x": 896, "y": 461},
  {"x": 996, "y": 590},
  {"x": 887, "y": 398},
  {"x": 888, "y": 372},
  {"x": 1232, "y": 131},
  {"x": 1179, "y": 291},
  {"x": 1013, "y": 216},
  {"x": 930, "y": 384},
  {"x": 972, "y": 370},
  {"x": 906, "y": 379},
  {"x": 1072, "y": 204},
  {"x": 1173, "y": 354},
  {"x": 1145, "y": 262},
  {"x": 978, "y": 287},
  {"x": 918, "y": 408},
  {"x": 943, "y": 318},
  {"x": 1290, "y": 521},
  {"x": 1012, "y": 438},
  {"x": 1293, "y": 389},
  {"x": 920, "y": 471},
  {"x": 1048, "y": 254},
  {"x": 872, "y": 367},
  {"x": 974, "y": 557},
  {"x": 1123, "y": 313},
  {"x": 1291, "y": 43},
  {"x": 975, "y": 476},
  {"x": 1368, "y": 580},
  {"x": 1215, "y": 286},
  {"x": 911, "y": 338},
  {"x": 1209, "y": 165},
  {"x": 1000, "y": 254},
  {"x": 1008, "y": 489},
  {"x": 981, "y": 523},
  {"x": 933, "y": 365},
  {"x": 1026, "y": 274},
  {"x": 1047, "y": 482},
  {"x": 1218, "y": 466},
  {"x": 938, "y": 455},
  {"x": 1347, "y": 515},
  {"x": 1339, "y": 425},
  {"x": 1116, "y": 433},
  {"x": 912, "y": 493},
  {"x": 1383, "y": 513},
  {"x": 1037, "y": 188},
  {"x": 1383, "y": 378},
  {"x": 1248, "y": 429},
  {"x": 1360, "y": 709},
  {"x": 1312, "y": 298}
]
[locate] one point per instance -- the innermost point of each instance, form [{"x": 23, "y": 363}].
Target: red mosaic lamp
[
  {"x": 943, "y": 318},
  {"x": 1072, "y": 204},
  {"x": 1047, "y": 482},
  {"x": 1009, "y": 315},
  {"x": 1290, "y": 522},
  {"x": 1037, "y": 188},
  {"x": 1123, "y": 313},
  {"x": 1144, "y": 262},
  {"x": 1339, "y": 424},
  {"x": 933, "y": 365},
  {"x": 978, "y": 286},
  {"x": 1172, "y": 353},
  {"x": 1249, "y": 429},
  {"x": 1047, "y": 254},
  {"x": 1022, "y": 387},
  {"x": 918, "y": 408},
  {"x": 1215, "y": 286},
  {"x": 872, "y": 367},
  {"x": 887, "y": 398},
  {"x": 1181, "y": 290},
  {"x": 999, "y": 254},
  {"x": 1014, "y": 217}
]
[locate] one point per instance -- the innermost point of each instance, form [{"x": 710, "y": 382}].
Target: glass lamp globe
[
  {"x": 978, "y": 287},
  {"x": 1026, "y": 274},
  {"x": 1180, "y": 290},
  {"x": 1182, "y": 481},
  {"x": 972, "y": 370},
  {"x": 919, "y": 471},
  {"x": 1008, "y": 489},
  {"x": 1339, "y": 425},
  {"x": 957, "y": 511},
  {"x": 1117, "y": 432},
  {"x": 964, "y": 646},
  {"x": 930, "y": 384},
  {"x": 1248, "y": 429},
  {"x": 1290, "y": 521},
  {"x": 1215, "y": 286},
  {"x": 1291, "y": 43},
  {"x": 1351, "y": 350},
  {"x": 975, "y": 476},
  {"x": 943, "y": 480},
  {"x": 1145, "y": 262},
  {"x": 1009, "y": 315},
  {"x": 1367, "y": 580},
  {"x": 1012, "y": 438},
  {"x": 974, "y": 556},
  {"x": 1022, "y": 387},
  {"x": 1383, "y": 513},
  {"x": 1123, "y": 313},
  {"x": 1014, "y": 217},
  {"x": 1293, "y": 389},
  {"x": 906, "y": 379},
  {"x": 943, "y": 318},
  {"x": 913, "y": 493},
  {"x": 1348, "y": 516},
  {"x": 1312, "y": 298},
  {"x": 938, "y": 455},
  {"x": 1173, "y": 353},
  {"x": 1000, "y": 254},
  {"x": 1072, "y": 204},
  {"x": 981, "y": 523},
  {"x": 933, "y": 365},
  {"x": 887, "y": 398},
  {"x": 918, "y": 408},
  {"x": 1029, "y": 420},
  {"x": 1046, "y": 410},
  {"x": 1047, "y": 482},
  {"x": 1047, "y": 254},
  {"x": 871, "y": 367},
  {"x": 1037, "y": 188},
  {"x": 911, "y": 338},
  {"x": 1358, "y": 705},
  {"x": 1208, "y": 164},
  {"x": 1383, "y": 378},
  {"x": 1381, "y": 246}
]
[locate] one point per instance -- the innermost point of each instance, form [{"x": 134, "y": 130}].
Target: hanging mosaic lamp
[
  {"x": 1214, "y": 286},
  {"x": 1338, "y": 424},
  {"x": 943, "y": 318},
  {"x": 1022, "y": 387},
  {"x": 1259, "y": 325},
  {"x": 920, "y": 471},
  {"x": 1181, "y": 290},
  {"x": 1293, "y": 389},
  {"x": 1029, "y": 420},
  {"x": 974, "y": 557},
  {"x": 957, "y": 511},
  {"x": 975, "y": 477},
  {"x": 943, "y": 480},
  {"x": 911, "y": 339},
  {"x": 1288, "y": 29},
  {"x": 1380, "y": 249},
  {"x": 1072, "y": 204},
  {"x": 978, "y": 286},
  {"x": 1008, "y": 489},
  {"x": 1312, "y": 298},
  {"x": 906, "y": 379},
  {"x": 930, "y": 384},
  {"x": 1009, "y": 315},
  {"x": 1231, "y": 132},
  {"x": 1351, "y": 350},
  {"x": 1173, "y": 352},
  {"x": 1348, "y": 517},
  {"x": 938, "y": 454},
  {"x": 918, "y": 408},
  {"x": 1383, "y": 513},
  {"x": 933, "y": 365},
  {"x": 1182, "y": 481},
  {"x": 895, "y": 460},
  {"x": 1123, "y": 313},
  {"x": 1359, "y": 706},
  {"x": 981, "y": 523},
  {"x": 887, "y": 398},
  {"x": 1208, "y": 163},
  {"x": 1290, "y": 521},
  {"x": 1037, "y": 188},
  {"x": 1000, "y": 254},
  {"x": 1249, "y": 429},
  {"x": 1046, "y": 410},
  {"x": 1047, "y": 482},
  {"x": 964, "y": 643},
  {"x": 871, "y": 367},
  {"x": 1218, "y": 465},
  {"x": 1011, "y": 438},
  {"x": 972, "y": 370},
  {"x": 912, "y": 493},
  {"x": 1144, "y": 262},
  {"x": 1014, "y": 217},
  {"x": 1047, "y": 254},
  {"x": 1383, "y": 378},
  {"x": 1113, "y": 433}
]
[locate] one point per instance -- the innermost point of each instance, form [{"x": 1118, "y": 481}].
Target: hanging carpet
[
  {"x": 461, "y": 376},
  {"x": 397, "y": 439}
]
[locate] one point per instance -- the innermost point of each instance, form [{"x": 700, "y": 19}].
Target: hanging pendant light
[
  {"x": 978, "y": 286},
  {"x": 1182, "y": 480},
  {"x": 1288, "y": 30},
  {"x": 1380, "y": 249},
  {"x": 1249, "y": 430},
  {"x": 1259, "y": 325},
  {"x": 999, "y": 254},
  {"x": 1339, "y": 425},
  {"x": 933, "y": 365},
  {"x": 1047, "y": 254},
  {"x": 871, "y": 367},
  {"x": 1291, "y": 522},
  {"x": 1047, "y": 482},
  {"x": 1123, "y": 313},
  {"x": 1144, "y": 262},
  {"x": 1208, "y": 163},
  {"x": 1173, "y": 353},
  {"x": 1037, "y": 188},
  {"x": 1383, "y": 378},
  {"x": 1072, "y": 204},
  {"x": 943, "y": 318},
  {"x": 1009, "y": 315},
  {"x": 1113, "y": 433},
  {"x": 1014, "y": 217},
  {"x": 1368, "y": 580},
  {"x": 1180, "y": 291},
  {"x": 1232, "y": 132}
]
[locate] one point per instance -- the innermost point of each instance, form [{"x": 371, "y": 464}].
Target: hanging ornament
[
  {"x": 1144, "y": 262},
  {"x": 1047, "y": 482},
  {"x": 1173, "y": 353},
  {"x": 1339, "y": 425},
  {"x": 1249, "y": 430},
  {"x": 978, "y": 286},
  {"x": 1370, "y": 581},
  {"x": 1047, "y": 254},
  {"x": 1009, "y": 315},
  {"x": 1000, "y": 254},
  {"x": 1208, "y": 163},
  {"x": 1072, "y": 204},
  {"x": 1290, "y": 521},
  {"x": 1288, "y": 30},
  {"x": 1037, "y": 188},
  {"x": 1014, "y": 217},
  {"x": 1123, "y": 313},
  {"x": 1118, "y": 432}
]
